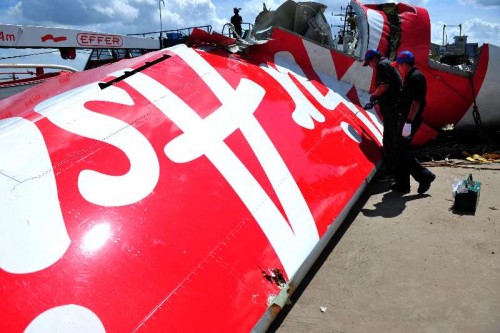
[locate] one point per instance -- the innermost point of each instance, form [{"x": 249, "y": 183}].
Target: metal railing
[
  {"x": 176, "y": 35},
  {"x": 245, "y": 27}
]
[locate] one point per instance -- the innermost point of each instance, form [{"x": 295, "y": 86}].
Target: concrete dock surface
[{"x": 407, "y": 263}]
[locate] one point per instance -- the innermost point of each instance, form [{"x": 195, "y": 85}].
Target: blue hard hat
[
  {"x": 369, "y": 54},
  {"x": 405, "y": 57}
]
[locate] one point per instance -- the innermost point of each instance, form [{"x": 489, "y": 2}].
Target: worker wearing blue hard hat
[
  {"x": 387, "y": 94},
  {"x": 369, "y": 54},
  {"x": 405, "y": 57},
  {"x": 413, "y": 100}
]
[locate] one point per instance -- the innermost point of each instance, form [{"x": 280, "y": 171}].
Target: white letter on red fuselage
[
  {"x": 68, "y": 111},
  {"x": 206, "y": 137}
]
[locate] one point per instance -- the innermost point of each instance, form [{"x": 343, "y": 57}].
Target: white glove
[{"x": 406, "y": 130}]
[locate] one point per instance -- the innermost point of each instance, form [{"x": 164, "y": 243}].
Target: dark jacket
[
  {"x": 414, "y": 89},
  {"x": 387, "y": 74}
]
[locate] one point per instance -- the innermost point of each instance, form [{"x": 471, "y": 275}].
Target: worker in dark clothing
[
  {"x": 236, "y": 21},
  {"x": 387, "y": 94},
  {"x": 412, "y": 107}
]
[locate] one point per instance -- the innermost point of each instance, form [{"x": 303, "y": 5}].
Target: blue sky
[{"x": 480, "y": 19}]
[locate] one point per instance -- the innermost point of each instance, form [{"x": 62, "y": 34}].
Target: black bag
[{"x": 467, "y": 195}]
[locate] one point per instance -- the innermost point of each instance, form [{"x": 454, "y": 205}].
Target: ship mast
[{"x": 444, "y": 29}]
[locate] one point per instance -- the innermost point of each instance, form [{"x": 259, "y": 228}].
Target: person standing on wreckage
[
  {"x": 412, "y": 107},
  {"x": 236, "y": 21},
  {"x": 387, "y": 95}
]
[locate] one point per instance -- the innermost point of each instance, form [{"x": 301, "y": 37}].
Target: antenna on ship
[
  {"x": 347, "y": 26},
  {"x": 444, "y": 29},
  {"x": 161, "y": 23}
]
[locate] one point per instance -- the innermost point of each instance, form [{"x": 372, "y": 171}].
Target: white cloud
[
  {"x": 113, "y": 16},
  {"x": 483, "y": 3},
  {"x": 478, "y": 31},
  {"x": 118, "y": 9},
  {"x": 481, "y": 31},
  {"x": 420, "y": 3}
]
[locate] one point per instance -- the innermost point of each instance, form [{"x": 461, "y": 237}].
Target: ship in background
[
  {"x": 460, "y": 53},
  {"x": 193, "y": 187}
]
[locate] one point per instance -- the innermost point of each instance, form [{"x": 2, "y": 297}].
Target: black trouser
[
  {"x": 406, "y": 162},
  {"x": 391, "y": 136},
  {"x": 390, "y": 142}
]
